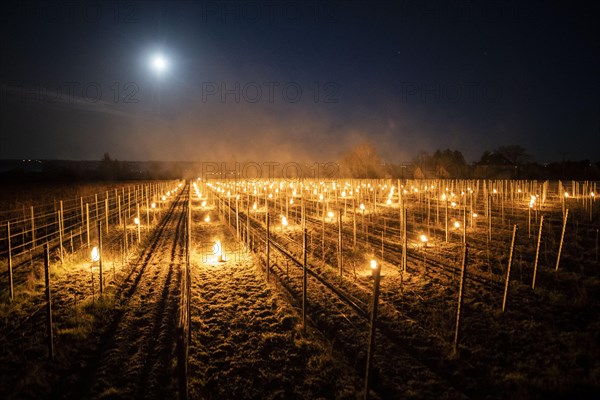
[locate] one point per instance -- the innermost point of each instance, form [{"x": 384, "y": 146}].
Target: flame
[
  {"x": 95, "y": 254},
  {"x": 217, "y": 250}
]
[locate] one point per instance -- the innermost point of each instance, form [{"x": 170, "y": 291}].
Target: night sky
[{"x": 271, "y": 81}]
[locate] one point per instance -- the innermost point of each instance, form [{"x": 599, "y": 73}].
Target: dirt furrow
[
  {"x": 138, "y": 358},
  {"x": 247, "y": 342}
]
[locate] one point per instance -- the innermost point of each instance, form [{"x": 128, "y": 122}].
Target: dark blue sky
[{"x": 298, "y": 80}]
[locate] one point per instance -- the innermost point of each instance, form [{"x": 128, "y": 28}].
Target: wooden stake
[
  {"x": 100, "y": 255},
  {"x": 237, "y": 218},
  {"x": 489, "y": 210},
  {"x": 404, "y": 240},
  {"x": 268, "y": 246},
  {"x": 562, "y": 238},
  {"x": 340, "y": 249},
  {"x": 304, "y": 279},
  {"x": 32, "y": 228},
  {"x": 537, "y": 252},
  {"x": 48, "y": 303},
  {"x": 61, "y": 226},
  {"x": 446, "y": 222},
  {"x": 125, "y": 244},
  {"x": 10, "y": 267},
  {"x": 373, "y": 320},
  {"x": 60, "y": 234},
  {"x": 460, "y": 297},
  {"x": 106, "y": 212},
  {"x": 87, "y": 223},
  {"x": 139, "y": 233},
  {"x": 354, "y": 221},
  {"x": 147, "y": 211},
  {"x": 510, "y": 259}
]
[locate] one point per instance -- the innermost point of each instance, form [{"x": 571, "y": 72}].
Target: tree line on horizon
[
  {"x": 504, "y": 162},
  {"x": 362, "y": 161}
]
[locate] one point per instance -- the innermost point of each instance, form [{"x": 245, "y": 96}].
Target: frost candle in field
[
  {"x": 373, "y": 267},
  {"x": 424, "y": 244},
  {"x": 218, "y": 251}
]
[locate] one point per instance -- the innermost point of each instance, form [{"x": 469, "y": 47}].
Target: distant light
[
  {"x": 592, "y": 194},
  {"x": 291, "y": 201},
  {"x": 95, "y": 254},
  {"x": 153, "y": 205},
  {"x": 423, "y": 238},
  {"x": 136, "y": 221},
  {"x": 566, "y": 194},
  {"x": 254, "y": 206},
  {"x": 362, "y": 206},
  {"x": 373, "y": 264},
  {"x": 330, "y": 214},
  {"x": 204, "y": 204},
  {"x": 284, "y": 221},
  {"x": 164, "y": 198},
  {"x": 207, "y": 218},
  {"x": 389, "y": 201},
  {"x": 474, "y": 215},
  {"x": 456, "y": 224}
]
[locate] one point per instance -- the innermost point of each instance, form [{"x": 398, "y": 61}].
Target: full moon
[{"x": 159, "y": 63}]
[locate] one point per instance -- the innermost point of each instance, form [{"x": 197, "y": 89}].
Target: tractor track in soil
[{"x": 136, "y": 353}]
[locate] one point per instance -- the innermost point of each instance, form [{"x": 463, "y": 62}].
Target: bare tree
[
  {"x": 363, "y": 161},
  {"x": 514, "y": 154}
]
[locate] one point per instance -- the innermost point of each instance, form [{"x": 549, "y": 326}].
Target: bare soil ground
[{"x": 247, "y": 342}]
